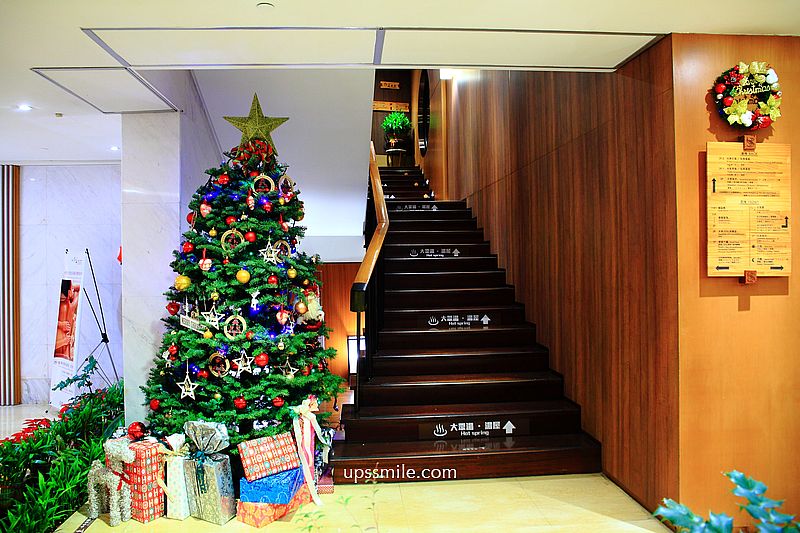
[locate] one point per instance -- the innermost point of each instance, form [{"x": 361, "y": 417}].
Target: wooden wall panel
[
  {"x": 434, "y": 164},
  {"x": 572, "y": 177},
  {"x": 337, "y": 278},
  {"x": 739, "y": 345}
]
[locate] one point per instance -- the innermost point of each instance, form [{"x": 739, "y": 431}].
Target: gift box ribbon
[{"x": 305, "y": 420}]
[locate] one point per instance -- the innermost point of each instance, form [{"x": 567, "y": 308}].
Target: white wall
[
  {"x": 325, "y": 142},
  {"x": 163, "y": 158},
  {"x": 75, "y": 207}
]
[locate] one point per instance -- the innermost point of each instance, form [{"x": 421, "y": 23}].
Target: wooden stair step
[
  {"x": 466, "y": 360},
  {"x": 421, "y": 214},
  {"x": 423, "y": 422},
  {"x": 440, "y": 264},
  {"x": 436, "y": 251},
  {"x": 425, "y": 205},
  {"x": 486, "y": 336},
  {"x": 408, "y": 195},
  {"x": 426, "y": 238},
  {"x": 469, "y": 317},
  {"x": 472, "y": 458},
  {"x": 435, "y": 224},
  {"x": 461, "y": 388},
  {"x": 444, "y": 280},
  {"x": 416, "y": 298}
]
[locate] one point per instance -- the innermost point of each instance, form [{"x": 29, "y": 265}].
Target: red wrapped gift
[
  {"x": 325, "y": 483},
  {"x": 145, "y": 473},
  {"x": 261, "y": 514},
  {"x": 268, "y": 455}
]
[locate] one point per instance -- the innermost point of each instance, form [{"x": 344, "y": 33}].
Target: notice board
[{"x": 749, "y": 206}]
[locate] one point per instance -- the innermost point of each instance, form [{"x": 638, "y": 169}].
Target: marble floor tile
[
  {"x": 504, "y": 505},
  {"x": 12, "y": 417}
]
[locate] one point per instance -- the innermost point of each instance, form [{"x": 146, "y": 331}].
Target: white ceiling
[{"x": 49, "y": 34}]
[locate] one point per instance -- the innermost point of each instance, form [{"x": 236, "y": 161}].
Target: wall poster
[{"x": 63, "y": 364}]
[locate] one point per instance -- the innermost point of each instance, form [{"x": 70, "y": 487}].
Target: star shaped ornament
[
  {"x": 212, "y": 318},
  {"x": 187, "y": 387},
  {"x": 256, "y": 125},
  {"x": 244, "y": 363}
]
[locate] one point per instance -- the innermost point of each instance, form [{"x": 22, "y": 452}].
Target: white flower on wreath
[
  {"x": 772, "y": 77},
  {"x": 747, "y": 118}
]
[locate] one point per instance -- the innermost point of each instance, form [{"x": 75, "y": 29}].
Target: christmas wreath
[{"x": 748, "y": 96}]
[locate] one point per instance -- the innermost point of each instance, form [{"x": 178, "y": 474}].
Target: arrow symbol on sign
[
  {"x": 456, "y": 252},
  {"x": 786, "y": 225},
  {"x": 486, "y": 321},
  {"x": 714, "y": 185},
  {"x": 509, "y": 427},
  {"x": 723, "y": 268},
  {"x": 434, "y": 208},
  {"x": 776, "y": 268}
]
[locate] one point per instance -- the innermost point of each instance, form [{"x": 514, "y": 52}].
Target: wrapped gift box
[
  {"x": 325, "y": 483},
  {"x": 208, "y": 473},
  {"x": 144, "y": 473},
  {"x": 178, "y": 496},
  {"x": 277, "y": 488},
  {"x": 261, "y": 514},
  {"x": 268, "y": 455}
]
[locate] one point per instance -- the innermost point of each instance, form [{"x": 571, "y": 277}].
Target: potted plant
[{"x": 396, "y": 126}]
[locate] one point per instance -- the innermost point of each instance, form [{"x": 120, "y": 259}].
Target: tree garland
[{"x": 748, "y": 96}]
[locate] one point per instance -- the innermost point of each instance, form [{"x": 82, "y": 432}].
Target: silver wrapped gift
[{"x": 208, "y": 473}]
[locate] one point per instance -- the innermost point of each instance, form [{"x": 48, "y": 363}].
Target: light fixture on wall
[
  {"x": 352, "y": 352},
  {"x": 447, "y": 73},
  {"x": 24, "y": 107},
  {"x": 114, "y": 148}
]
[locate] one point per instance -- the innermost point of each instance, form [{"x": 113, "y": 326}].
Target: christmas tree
[{"x": 244, "y": 326}]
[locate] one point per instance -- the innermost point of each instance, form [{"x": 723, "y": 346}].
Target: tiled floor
[
  {"x": 13, "y": 417},
  {"x": 546, "y": 504}
]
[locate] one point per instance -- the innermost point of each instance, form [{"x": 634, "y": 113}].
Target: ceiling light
[
  {"x": 446, "y": 73},
  {"x": 24, "y": 107},
  {"x": 114, "y": 148}
]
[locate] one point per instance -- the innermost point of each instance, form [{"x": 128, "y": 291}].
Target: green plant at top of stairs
[
  {"x": 396, "y": 123},
  {"x": 761, "y": 508}
]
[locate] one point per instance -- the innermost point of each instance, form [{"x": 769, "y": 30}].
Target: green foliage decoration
[{"x": 396, "y": 123}]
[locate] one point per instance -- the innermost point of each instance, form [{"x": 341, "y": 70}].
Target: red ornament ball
[
  {"x": 190, "y": 217},
  {"x": 230, "y": 220},
  {"x": 253, "y": 173},
  {"x": 136, "y": 430},
  {"x": 719, "y": 88},
  {"x": 272, "y": 279},
  {"x": 277, "y": 401},
  {"x": 203, "y": 373},
  {"x": 188, "y": 247},
  {"x": 320, "y": 367},
  {"x": 262, "y": 359},
  {"x": 240, "y": 402},
  {"x": 173, "y": 308},
  {"x": 306, "y": 370},
  {"x": 172, "y": 349},
  {"x": 249, "y": 335},
  {"x": 226, "y": 261},
  {"x": 223, "y": 179},
  {"x": 728, "y": 101},
  {"x": 250, "y": 236},
  {"x": 268, "y": 207},
  {"x": 155, "y": 404}
]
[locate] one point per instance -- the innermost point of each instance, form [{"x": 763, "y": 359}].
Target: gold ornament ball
[
  {"x": 300, "y": 307},
  {"x": 182, "y": 283},
  {"x": 207, "y": 334},
  {"x": 281, "y": 201},
  {"x": 306, "y": 282},
  {"x": 161, "y": 373},
  {"x": 281, "y": 346},
  {"x": 215, "y": 296},
  {"x": 217, "y": 396},
  {"x": 212, "y": 232},
  {"x": 243, "y": 276},
  {"x": 291, "y": 273}
]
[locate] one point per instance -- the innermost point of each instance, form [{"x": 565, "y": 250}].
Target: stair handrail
[{"x": 358, "y": 300}]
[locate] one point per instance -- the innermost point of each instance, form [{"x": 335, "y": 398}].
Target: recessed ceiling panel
[
  {"x": 110, "y": 90},
  {"x": 190, "y": 47},
  {"x": 509, "y": 48}
]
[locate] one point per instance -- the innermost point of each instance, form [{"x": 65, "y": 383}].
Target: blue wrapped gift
[{"x": 278, "y": 488}]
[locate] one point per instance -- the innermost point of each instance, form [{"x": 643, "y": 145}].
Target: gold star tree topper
[{"x": 256, "y": 125}]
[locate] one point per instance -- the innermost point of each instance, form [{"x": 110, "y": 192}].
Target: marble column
[{"x": 151, "y": 215}]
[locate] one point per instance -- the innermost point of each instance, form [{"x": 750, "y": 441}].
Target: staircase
[{"x": 458, "y": 379}]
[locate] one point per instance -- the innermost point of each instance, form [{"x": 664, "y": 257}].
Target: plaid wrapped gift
[
  {"x": 268, "y": 455},
  {"x": 144, "y": 473},
  {"x": 277, "y": 488},
  {"x": 261, "y": 514}
]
